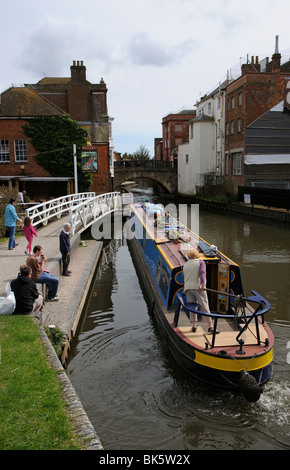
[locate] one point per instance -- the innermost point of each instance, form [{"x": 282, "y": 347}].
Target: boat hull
[{"x": 203, "y": 364}]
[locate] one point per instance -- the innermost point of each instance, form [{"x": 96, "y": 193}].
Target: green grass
[{"x": 32, "y": 411}]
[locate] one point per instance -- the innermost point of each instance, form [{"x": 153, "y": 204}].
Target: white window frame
[
  {"x": 4, "y": 151},
  {"x": 237, "y": 163},
  {"x": 20, "y": 150}
]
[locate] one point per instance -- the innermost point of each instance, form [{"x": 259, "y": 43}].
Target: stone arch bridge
[{"x": 164, "y": 173}]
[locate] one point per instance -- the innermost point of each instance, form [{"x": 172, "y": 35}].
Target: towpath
[
  {"x": 72, "y": 290},
  {"x": 64, "y": 313}
]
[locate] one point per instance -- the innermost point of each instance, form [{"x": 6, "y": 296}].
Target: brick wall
[
  {"x": 11, "y": 129},
  {"x": 259, "y": 93},
  {"x": 101, "y": 179}
]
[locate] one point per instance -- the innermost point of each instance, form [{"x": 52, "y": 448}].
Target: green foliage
[
  {"x": 53, "y": 137},
  {"x": 57, "y": 338}
]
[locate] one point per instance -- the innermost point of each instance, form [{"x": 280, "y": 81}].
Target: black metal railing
[{"x": 262, "y": 307}]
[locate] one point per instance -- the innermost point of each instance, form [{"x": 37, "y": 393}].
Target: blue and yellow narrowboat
[{"x": 240, "y": 356}]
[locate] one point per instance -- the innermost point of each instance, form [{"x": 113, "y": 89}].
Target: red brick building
[
  {"x": 258, "y": 89},
  {"x": 175, "y": 131},
  {"x": 84, "y": 102}
]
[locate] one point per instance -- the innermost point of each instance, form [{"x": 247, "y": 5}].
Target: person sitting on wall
[
  {"x": 28, "y": 299},
  {"x": 40, "y": 275}
]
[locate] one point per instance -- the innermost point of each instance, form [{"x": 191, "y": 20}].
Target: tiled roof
[
  {"x": 54, "y": 81},
  {"x": 26, "y": 102}
]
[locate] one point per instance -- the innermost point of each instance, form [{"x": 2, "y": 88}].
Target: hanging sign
[{"x": 89, "y": 159}]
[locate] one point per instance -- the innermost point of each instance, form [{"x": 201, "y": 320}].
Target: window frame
[
  {"x": 4, "y": 151},
  {"x": 237, "y": 163},
  {"x": 20, "y": 155}
]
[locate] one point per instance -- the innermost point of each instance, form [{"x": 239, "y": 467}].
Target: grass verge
[{"x": 33, "y": 412}]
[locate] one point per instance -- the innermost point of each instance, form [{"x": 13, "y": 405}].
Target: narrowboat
[{"x": 238, "y": 353}]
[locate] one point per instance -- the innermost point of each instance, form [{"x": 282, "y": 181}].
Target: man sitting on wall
[
  {"x": 28, "y": 299},
  {"x": 40, "y": 275}
]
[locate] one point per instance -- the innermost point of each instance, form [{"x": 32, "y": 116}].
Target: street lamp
[{"x": 75, "y": 168}]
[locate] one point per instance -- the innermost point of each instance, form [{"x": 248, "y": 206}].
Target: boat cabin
[{"x": 165, "y": 243}]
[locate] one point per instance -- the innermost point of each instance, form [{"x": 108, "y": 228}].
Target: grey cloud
[{"x": 145, "y": 51}]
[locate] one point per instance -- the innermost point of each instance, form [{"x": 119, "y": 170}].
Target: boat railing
[{"x": 262, "y": 306}]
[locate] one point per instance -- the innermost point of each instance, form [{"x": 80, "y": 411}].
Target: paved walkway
[
  {"x": 72, "y": 290},
  {"x": 66, "y": 312}
]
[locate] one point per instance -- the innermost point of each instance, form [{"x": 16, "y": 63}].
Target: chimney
[
  {"x": 78, "y": 72},
  {"x": 276, "y": 57},
  {"x": 251, "y": 67}
]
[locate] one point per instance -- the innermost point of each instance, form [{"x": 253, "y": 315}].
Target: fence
[
  {"x": 83, "y": 215},
  {"x": 42, "y": 213},
  {"x": 268, "y": 197}
]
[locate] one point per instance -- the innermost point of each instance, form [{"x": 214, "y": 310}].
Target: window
[
  {"x": 4, "y": 150},
  {"x": 232, "y": 127},
  {"x": 233, "y": 102},
  {"x": 227, "y": 128},
  {"x": 191, "y": 131},
  {"x": 20, "y": 150},
  {"x": 218, "y": 128},
  {"x": 178, "y": 127},
  {"x": 237, "y": 163},
  {"x": 209, "y": 108},
  {"x": 239, "y": 125},
  {"x": 219, "y": 103},
  {"x": 240, "y": 99},
  {"x": 227, "y": 164},
  {"x": 186, "y": 158}
]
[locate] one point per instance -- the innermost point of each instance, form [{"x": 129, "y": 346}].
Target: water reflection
[{"x": 134, "y": 392}]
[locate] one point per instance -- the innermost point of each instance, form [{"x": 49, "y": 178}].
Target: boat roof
[{"x": 174, "y": 240}]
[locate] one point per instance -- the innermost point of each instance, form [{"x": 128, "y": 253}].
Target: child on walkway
[{"x": 29, "y": 232}]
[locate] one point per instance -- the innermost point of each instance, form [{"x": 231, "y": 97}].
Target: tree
[
  {"x": 142, "y": 153},
  {"x": 53, "y": 137}
]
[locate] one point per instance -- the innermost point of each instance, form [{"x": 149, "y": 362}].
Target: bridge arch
[{"x": 163, "y": 173}]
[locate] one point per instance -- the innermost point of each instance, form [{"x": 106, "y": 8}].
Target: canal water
[{"x": 132, "y": 389}]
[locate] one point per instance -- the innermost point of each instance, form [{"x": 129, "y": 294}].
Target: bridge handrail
[
  {"x": 145, "y": 163},
  {"x": 87, "y": 211},
  {"x": 41, "y": 213}
]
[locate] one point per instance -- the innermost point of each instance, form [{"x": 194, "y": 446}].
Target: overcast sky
[{"x": 155, "y": 56}]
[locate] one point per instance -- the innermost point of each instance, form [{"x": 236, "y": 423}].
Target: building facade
[
  {"x": 267, "y": 155},
  {"x": 200, "y": 160},
  {"x": 84, "y": 102},
  {"x": 175, "y": 132},
  {"x": 259, "y": 88}
]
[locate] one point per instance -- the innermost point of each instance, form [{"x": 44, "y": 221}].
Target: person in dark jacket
[
  {"x": 65, "y": 249},
  {"x": 28, "y": 299}
]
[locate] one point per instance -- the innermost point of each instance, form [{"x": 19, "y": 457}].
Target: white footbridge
[{"x": 83, "y": 209}]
